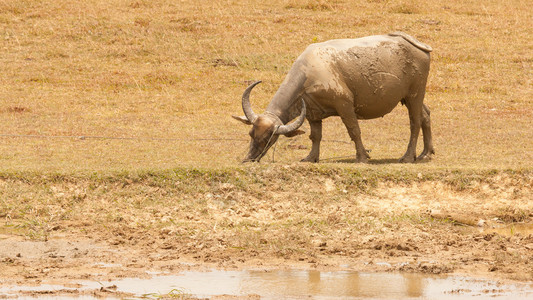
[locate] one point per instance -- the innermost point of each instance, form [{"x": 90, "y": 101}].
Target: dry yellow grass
[{"x": 176, "y": 70}]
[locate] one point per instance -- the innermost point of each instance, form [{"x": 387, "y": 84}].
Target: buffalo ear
[
  {"x": 294, "y": 133},
  {"x": 242, "y": 119}
]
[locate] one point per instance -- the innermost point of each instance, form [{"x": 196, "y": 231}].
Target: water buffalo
[{"x": 362, "y": 78}]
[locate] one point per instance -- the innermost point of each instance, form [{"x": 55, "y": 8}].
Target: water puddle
[
  {"x": 292, "y": 284},
  {"x": 510, "y": 230}
]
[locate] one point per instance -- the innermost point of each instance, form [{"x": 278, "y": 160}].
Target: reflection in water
[
  {"x": 414, "y": 285},
  {"x": 336, "y": 284},
  {"x": 276, "y": 284},
  {"x": 295, "y": 284}
]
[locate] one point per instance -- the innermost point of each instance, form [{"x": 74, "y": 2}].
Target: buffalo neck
[{"x": 285, "y": 103}]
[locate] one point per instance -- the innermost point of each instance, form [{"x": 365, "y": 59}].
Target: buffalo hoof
[
  {"x": 310, "y": 159},
  {"x": 425, "y": 155},
  {"x": 362, "y": 159},
  {"x": 407, "y": 159}
]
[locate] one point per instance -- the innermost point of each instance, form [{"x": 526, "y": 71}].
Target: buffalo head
[{"x": 266, "y": 128}]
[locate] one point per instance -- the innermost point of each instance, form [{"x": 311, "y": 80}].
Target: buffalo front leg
[
  {"x": 349, "y": 118},
  {"x": 316, "y": 137},
  {"x": 426, "y": 132}
]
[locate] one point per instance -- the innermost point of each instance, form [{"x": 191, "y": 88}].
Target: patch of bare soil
[{"x": 420, "y": 226}]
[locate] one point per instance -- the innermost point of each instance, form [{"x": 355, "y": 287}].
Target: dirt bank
[{"x": 59, "y": 229}]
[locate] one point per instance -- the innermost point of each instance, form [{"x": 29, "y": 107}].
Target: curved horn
[
  {"x": 246, "y": 107},
  {"x": 284, "y": 129}
]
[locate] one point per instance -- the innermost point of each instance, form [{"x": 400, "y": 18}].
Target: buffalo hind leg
[
  {"x": 316, "y": 137},
  {"x": 414, "y": 106},
  {"x": 426, "y": 132}
]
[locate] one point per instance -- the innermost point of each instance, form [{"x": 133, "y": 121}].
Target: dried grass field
[
  {"x": 116, "y": 127},
  {"x": 175, "y": 72}
]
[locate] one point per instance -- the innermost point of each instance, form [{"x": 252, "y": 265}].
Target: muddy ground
[{"x": 88, "y": 229}]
